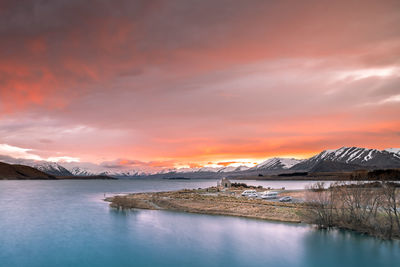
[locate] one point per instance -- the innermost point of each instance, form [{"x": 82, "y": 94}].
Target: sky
[{"x": 163, "y": 84}]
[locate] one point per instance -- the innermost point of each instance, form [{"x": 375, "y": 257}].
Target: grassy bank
[{"x": 210, "y": 201}]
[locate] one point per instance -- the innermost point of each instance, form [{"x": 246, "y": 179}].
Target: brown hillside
[{"x": 22, "y": 172}]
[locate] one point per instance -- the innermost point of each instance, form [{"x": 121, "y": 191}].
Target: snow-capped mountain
[
  {"x": 277, "y": 164},
  {"x": 354, "y": 156},
  {"x": 78, "y": 171},
  {"x": 52, "y": 168}
]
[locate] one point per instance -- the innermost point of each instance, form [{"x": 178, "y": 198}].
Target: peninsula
[
  {"x": 215, "y": 202},
  {"x": 365, "y": 207}
]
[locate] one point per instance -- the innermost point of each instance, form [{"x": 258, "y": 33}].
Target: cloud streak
[{"x": 29, "y": 154}]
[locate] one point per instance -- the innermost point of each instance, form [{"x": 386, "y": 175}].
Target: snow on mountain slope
[
  {"x": 227, "y": 169},
  {"x": 186, "y": 170},
  {"x": 77, "y": 171},
  {"x": 277, "y": 164},
  {"x": 131, "y": 173},
  {"x": 355, "y": 156},
  {"x": 242, "y": 168},
  {"x": 52, "y": 168},
  {"x": 233, "y": 168},
  {"x": 209, "y": 169}
]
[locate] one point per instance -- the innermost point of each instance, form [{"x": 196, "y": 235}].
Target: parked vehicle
[
  {"x": 269, "y": 195},
  {"x": 252, "y": 195},
  {"x": 249, "y": 193},
  {"x": 285, "y": 199}
]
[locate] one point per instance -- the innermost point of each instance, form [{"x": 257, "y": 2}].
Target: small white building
[{"x": 224, "y": 183}]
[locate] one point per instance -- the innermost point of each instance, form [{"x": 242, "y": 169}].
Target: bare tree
[{"x": 366, "y": 207}]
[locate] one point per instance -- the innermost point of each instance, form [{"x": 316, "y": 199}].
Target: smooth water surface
[{"x": 65, "y": 223}]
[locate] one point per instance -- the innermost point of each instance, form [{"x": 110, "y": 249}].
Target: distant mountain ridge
[{"x": 342, "y": 159}]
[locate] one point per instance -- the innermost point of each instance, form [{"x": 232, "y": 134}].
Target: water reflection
[{"x": 346, "y": 248}]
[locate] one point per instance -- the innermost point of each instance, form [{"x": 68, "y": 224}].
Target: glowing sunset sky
[{"x": 185, "y": 83}]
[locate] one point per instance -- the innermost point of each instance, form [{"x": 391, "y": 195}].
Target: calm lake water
[{"x": 65, "y": 223}]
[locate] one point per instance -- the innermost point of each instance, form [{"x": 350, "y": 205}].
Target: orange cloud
[
  {"x": 227, "y": 163},
  {"x": 195, "y": 165}
]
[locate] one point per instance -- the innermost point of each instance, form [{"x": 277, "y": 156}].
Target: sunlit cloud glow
[
  {"x": 366, "y": 73},
  {"x": 18, "y": 152},
  {"x": 144, "y": 84}
]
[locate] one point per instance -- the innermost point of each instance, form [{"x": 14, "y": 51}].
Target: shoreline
[{"x": 210, "y": 201}]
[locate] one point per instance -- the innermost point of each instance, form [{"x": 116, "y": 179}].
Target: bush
[{"x": 240, "y": 185}]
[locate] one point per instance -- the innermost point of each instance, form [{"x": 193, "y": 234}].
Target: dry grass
[{"x": 200, "y": 201}]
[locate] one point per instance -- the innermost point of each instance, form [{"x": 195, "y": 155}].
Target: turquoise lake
[{"x": 66, "y": 223}]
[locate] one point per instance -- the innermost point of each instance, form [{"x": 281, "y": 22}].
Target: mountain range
[
  {"x": 342, "y": 159},
  {"x": 351, "y": 158}
]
